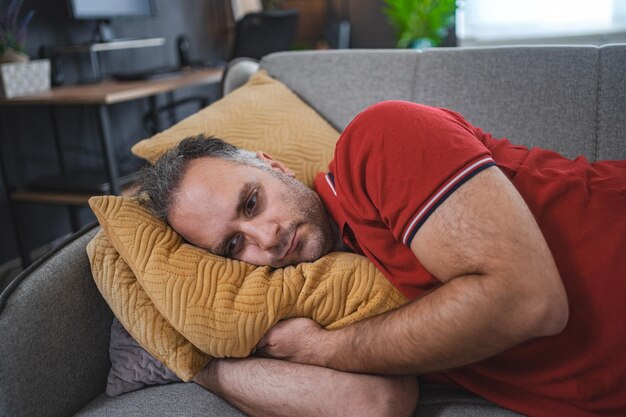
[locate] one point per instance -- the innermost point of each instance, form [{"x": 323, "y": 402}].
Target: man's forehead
[
  {"x": 208, "y": 173},
  {"x": 205, "y": 185},
  {"x": 211, "y": 162},
  {"x": 210, "y": 199}
]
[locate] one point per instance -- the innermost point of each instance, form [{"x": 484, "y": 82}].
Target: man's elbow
[
  {"x": 549, "y": 311},
  {"x": 556, "y": 316},
  {"x": 535, "y": 307}
]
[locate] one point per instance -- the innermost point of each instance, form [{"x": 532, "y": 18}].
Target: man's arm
[
  {"x": 500, "y": 287},
  {"x": 265, "y": 387}
]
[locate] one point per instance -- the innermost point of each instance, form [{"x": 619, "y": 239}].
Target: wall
[
  {"x": 369, "y": 27},
  {"x": 26, "y": 131},
  {"x": 311, "y": 22}
]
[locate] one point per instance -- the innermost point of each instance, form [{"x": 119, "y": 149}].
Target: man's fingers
[
  {"x": 266, "y": 351},
  {"x": 264, "y": 347},
  {"x": 261, "y": 352},
  {"x": 262, "y": 342},
  {"x": 285, "y": 340}
]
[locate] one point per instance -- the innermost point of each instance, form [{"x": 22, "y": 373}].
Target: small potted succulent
[
  {"x": 420, "y": 23},
  {"x": 19, "y": 75}
]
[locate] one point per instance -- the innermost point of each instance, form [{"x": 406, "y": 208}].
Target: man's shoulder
[{"x": 391, "y": 126}]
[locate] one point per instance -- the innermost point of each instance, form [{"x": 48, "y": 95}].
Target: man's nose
[{"x": 262, "y": 233}]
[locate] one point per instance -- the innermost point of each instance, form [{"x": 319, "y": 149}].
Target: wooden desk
[
  {"x": 100, "y": 95},
  {"x": 111, "y": 92}
]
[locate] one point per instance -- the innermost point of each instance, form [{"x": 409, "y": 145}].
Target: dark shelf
[{"x": 80, "y": 182}]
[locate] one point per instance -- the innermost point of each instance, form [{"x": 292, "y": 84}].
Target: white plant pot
[
  {"x": 12, "y": 55},
  {"x": 24, "y": 78}
]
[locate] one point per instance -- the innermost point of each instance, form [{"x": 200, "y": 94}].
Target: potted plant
[
  {"x": 18, "y": 75},
  {"x": 420, "y": 23},
  {"x": 13, "y": 33}
]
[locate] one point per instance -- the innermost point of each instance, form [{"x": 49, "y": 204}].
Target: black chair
[{"x": 258, "y": 34}]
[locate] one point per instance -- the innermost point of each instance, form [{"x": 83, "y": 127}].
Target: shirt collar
[{"x": 325, "y": 187}]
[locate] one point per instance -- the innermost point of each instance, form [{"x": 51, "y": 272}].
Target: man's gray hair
[{"x": 160, "y": 182}]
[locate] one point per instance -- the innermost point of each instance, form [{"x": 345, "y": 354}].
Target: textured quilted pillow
[
  {"x": 185, "y": 305},
  {"x": 262, "y": 115},
  {"x": 132, "y": 367},
  {"x": 136, "y": 312}
]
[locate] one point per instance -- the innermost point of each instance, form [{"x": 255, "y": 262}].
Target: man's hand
[{"x": 295, "y": 340}]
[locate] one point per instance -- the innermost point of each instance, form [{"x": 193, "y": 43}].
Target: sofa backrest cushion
[
  {"x": 533, "y": 96},
  {"x": 340, "y": 84},
  {"x": 564, "y": 98},
  {"x": 612, "y": 103}
]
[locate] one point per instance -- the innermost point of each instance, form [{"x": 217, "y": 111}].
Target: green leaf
[{"x": 417, "y": 19}]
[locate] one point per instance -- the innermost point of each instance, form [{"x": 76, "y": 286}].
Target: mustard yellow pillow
[
  {"x": 134, "y": 309},
  {"x": 264, "y": 115},
  {"x": 221, "y": 306}
]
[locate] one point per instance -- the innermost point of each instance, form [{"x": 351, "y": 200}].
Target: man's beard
[{"x": 309, "y": 210}]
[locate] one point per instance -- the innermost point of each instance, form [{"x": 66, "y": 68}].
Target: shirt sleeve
[{"x": 404, "y": 159}]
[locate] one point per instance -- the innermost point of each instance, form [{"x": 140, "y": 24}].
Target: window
[{"x": 525, "y": 19}]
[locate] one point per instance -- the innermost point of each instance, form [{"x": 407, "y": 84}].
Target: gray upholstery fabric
[
  {"x": 179, "y": 399},
  {"x": 339, "y": 85},
  {"x": 444, "y": 401},
  {"x": 55, "y": 331},
  {"x": 534, "y": 96},
  {"x": 612, "y": 103},
  {"x": 564, "y": 98}
]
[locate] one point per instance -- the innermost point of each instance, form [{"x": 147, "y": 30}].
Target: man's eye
[
  {"x": 233, "y": 246},
  {"x": 251, "y": 204}
]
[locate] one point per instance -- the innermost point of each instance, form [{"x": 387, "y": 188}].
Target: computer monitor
[{"x": 102, "y": 11}]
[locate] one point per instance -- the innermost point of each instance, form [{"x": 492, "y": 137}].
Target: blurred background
[{"x": 206, "y": 30}]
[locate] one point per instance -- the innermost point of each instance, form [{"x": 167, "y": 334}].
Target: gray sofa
[{"x": 54, "y": 325}]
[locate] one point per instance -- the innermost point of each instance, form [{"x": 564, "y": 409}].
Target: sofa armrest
[
  {"x": 236, "y": 73},
  {"x": 55, "y": 335}
]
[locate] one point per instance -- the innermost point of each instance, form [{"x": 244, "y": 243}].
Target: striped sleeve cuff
[{"x": 439, "y": 197}]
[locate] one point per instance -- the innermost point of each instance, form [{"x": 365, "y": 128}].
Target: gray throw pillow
[{"x": 132, "y": 367}]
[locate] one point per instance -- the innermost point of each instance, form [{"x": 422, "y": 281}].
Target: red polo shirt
[{"x": 398, "y": 161}]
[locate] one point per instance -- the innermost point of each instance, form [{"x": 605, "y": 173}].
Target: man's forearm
[
  {"x": 265, "y": 387},
  {"x": 464, "y": 321}
]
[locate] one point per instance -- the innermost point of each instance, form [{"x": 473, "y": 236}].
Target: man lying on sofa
[{"x": 514, "y": 259}]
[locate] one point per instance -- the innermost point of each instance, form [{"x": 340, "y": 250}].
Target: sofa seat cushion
[
  {"x": 178, "y": 399},
  {"x": 190, "y": 400},
  {"x": 446, "y": 401}
]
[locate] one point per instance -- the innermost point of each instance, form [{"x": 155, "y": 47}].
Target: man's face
[{"x": 263, "y": 217}]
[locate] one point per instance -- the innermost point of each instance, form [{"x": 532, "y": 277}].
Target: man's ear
[{"x": 274, "y": 164}]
